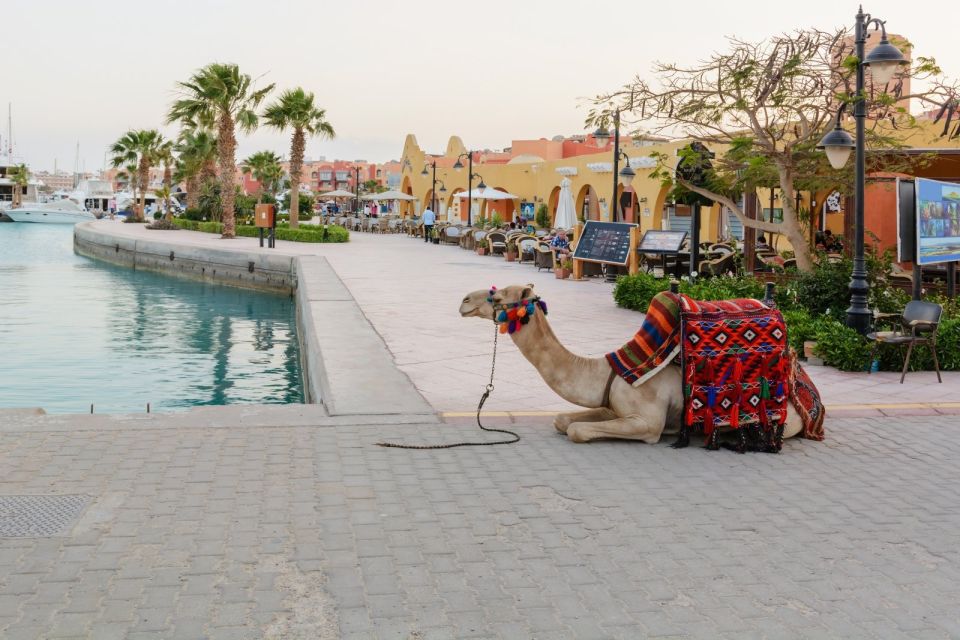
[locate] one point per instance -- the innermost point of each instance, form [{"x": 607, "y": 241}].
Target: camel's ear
[{"x": 527, "y": 292}]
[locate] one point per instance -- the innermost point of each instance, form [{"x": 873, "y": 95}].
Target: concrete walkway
[{"x": 410, "y": 291}]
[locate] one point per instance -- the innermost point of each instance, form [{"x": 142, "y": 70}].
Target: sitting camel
[{"x": 616, "y": 409}]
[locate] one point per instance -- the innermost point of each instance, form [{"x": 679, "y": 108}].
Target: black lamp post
[
  {"x": 356, "y": 202},
  {"x": 882, "y": 62},
  {"x": 433, "y": 188},
  {"x": 458, "y": 166},
  {"x": 624, "y": 177}
]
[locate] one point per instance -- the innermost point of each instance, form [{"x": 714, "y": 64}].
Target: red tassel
[{"x": 737, "y": 395}]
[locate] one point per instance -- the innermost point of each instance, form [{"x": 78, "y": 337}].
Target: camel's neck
[{"x": 576, "y": 379}]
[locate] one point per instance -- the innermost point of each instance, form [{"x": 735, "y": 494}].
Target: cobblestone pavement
[{"x": 313, "y": 532}]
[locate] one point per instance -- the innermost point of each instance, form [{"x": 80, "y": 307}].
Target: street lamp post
[
  {"x": 433, "y": 187},
  {"x": 356, "y": 202},
  {"x": 470, "y": 175},
  {"x": 882, "y": 62},
  {"x": 625, "y": 176}
]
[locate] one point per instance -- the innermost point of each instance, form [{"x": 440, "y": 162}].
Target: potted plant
[
  {"x": 511, "y": 252},
  {"x": 435, "y": 235},
  {"x": 481, "y": 247},
  {"x": 543, "y": 217},
  {"x": 563, "y": 271}
]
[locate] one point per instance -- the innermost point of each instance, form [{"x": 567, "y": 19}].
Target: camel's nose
[{"x": 466, "y": 299}]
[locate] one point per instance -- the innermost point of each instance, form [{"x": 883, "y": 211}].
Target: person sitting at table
[
  {"x": 762, "y": 243},
  {"x": 560, "y": 244}
]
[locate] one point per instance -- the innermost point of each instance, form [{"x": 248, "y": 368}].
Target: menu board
[
  {"x": 604, "y": 242},
  {"x": 654, "y": 241}
]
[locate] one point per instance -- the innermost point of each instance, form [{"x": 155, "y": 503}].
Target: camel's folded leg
[
  {"x": 564, "y": 420},
  {"x": 630, "y": 428}
]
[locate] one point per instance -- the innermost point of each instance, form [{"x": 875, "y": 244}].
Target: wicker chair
[
  {"x": 478, "y": 235},
  {"x": 498, "y": 243},
  {"x": 451, "y": 235},
  {"x": 545, "y": 257},
  {"x": 527, "y": 249},
  {"x": 717, "y": 266}
]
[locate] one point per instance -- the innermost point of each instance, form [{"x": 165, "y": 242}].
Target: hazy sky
[{"x": 487, "y": 71}]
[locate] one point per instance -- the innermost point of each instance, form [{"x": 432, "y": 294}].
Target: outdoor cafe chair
[
  {"x": 451, "y": 235},
  {"x": 498, "y": 243},
  {"x": 545, "y": 257},
  {"x": 918, "y": 326},
  {"x": 527, "y": 249}
]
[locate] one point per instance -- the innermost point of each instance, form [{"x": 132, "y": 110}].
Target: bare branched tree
[{"x": 768, "y": 104}]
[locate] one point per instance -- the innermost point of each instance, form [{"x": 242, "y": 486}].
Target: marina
[{"x": 78, "y": 332}]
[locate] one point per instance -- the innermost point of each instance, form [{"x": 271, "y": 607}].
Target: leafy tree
[
  {"x": 543, "y": 216},
  {"x": 295, "y": 109},
  {"x": 265, "y": 168},
  {"x": 140, "y": 148},
  {"x": 20, "y": 176},
  {"x": 768, "y": 104},
  {"x": 305, "y": 203},
  {"x": 196, "y": 158},
  {"x": 218, "y": 95}
]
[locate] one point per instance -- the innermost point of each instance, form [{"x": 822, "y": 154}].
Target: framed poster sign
[
  {"x": 655, "y": 241},
  {"x": 604, "y": 242},
  {"x": 938, "y": 221}
]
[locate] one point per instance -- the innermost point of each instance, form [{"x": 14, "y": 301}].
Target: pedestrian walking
[{"x": 429, "y": 219}]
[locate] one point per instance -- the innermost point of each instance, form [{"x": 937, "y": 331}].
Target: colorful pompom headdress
[{"x": 512, "y": 316}]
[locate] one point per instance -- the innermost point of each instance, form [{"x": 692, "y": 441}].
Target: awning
[{"x": 339, "y": 193}]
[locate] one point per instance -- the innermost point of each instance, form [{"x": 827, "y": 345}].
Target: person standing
[{"x": 429, "y": 219}]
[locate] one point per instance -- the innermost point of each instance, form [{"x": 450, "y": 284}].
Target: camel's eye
[{"x": 466, "y": 299}]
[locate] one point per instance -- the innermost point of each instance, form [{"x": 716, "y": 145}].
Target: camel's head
[{"x": 486, "y": 303}]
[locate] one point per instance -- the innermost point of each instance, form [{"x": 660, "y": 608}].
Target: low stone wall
[{"x": 263, "y": 272}]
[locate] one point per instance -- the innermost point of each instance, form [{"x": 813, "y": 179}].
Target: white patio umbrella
[
  {"x": 388, "y": 195},
  {"x": 566, "y": 218},
  {"x": 339, "y": 193},
  {"x": 487, "y": 193}
]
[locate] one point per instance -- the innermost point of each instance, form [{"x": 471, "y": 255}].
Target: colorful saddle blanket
[
  {"x": 735, "y": 363},
  {"x": 737, "y": 368}
]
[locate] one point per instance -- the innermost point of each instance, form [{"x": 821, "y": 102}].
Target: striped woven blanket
[{"x": 654, "y": 346}]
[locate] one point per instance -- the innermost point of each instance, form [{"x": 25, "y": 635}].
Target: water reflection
[{"x": 74, "y": 332}]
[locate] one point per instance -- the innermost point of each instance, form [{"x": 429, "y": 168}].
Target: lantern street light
[
  {"x": 458, "y": 166},
  {"x": 882, "y": 63},
  {"x": 433, "y": 187},
  {"x": 623, "y": 177}
]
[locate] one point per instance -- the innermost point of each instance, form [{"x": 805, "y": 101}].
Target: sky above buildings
[{"x": 490, "y": 72}]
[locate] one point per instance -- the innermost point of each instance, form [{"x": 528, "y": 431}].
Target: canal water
[{"x": 76, "y": 332}]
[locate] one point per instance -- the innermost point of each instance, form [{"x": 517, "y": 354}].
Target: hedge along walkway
[{"x": 301, "y": 234}]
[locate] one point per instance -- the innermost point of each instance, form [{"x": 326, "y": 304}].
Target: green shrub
[
  {"x": 193, "y": 214},
  {"x": 542, "y": 217},
  {"x": 842, "y": 347},
  {"x": 636, "y": 291},
  {"x": 302, "y": 234},
  {"x": 496, "y": 221}
]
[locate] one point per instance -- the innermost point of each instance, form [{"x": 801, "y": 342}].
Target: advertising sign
[
  {"x": 604, "y": 242},
  {"x": 526, "y": 210},
  {"x": 662, "y": 241},
  {"x": 938, "y": 221}
]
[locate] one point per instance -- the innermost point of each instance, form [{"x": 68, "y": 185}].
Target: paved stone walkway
[{"x": 313, "y": 532}]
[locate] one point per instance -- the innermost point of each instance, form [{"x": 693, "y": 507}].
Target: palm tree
[
  {"x": 196, "y": 161},
  {"x": 295, "y": 110},
  {"x": 20, "y": 176},
  {"x": 218, "y": 95},
  {"x": 265, "y": 168},
  {"x": 142, "y": 148},
  {"x": 164, "y": 194}
]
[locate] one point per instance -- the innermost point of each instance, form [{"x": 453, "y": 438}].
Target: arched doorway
[
  {"x": 588, "y": 204},
  {"x": 552, "y": 202},
  {"x": 428, "y": 201},
  {"x": 627, "y": 211},
  {"x": 457, "y": 206}
]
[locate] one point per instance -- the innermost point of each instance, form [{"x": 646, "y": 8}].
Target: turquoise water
[{"x": 76, "y": 332}]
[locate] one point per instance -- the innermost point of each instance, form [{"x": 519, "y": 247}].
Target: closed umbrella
[{"x": 566, "y": 218}]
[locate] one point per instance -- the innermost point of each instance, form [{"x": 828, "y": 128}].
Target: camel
[{"x": 646, "y": 412}]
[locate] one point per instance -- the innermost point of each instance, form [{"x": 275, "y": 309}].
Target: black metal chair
[{"x": 918, "y": 325}]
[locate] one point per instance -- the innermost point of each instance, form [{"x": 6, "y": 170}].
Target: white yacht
[{"x": 58, "y": 212}]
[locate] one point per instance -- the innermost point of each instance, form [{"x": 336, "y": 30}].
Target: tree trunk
[
  {"x": 791, "y": 223},
  {"x": 297, "y": 149},
  {"x": 227, "y": 147},
  {"x": 144, "y": 182},
  {"x": 193, "y": 191}
]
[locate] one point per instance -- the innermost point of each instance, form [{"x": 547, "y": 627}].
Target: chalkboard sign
[
  {"x": 662, "y": 241},
  {"x": 604, "y": 242}
]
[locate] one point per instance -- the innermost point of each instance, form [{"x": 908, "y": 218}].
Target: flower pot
[
  {"x": 435, "y": 240},
  {"x": 481, "y": 251},
  {"x": 561, "y": 273},
  {"x": 809, "y": 349},
  {"x": 510, "y": 256}
]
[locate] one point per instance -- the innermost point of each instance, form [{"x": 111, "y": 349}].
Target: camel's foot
[
  {"x": 629, "y": 428},
  {"x": 683, "y": 438},
  {"x": 563, "y": 421}
]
